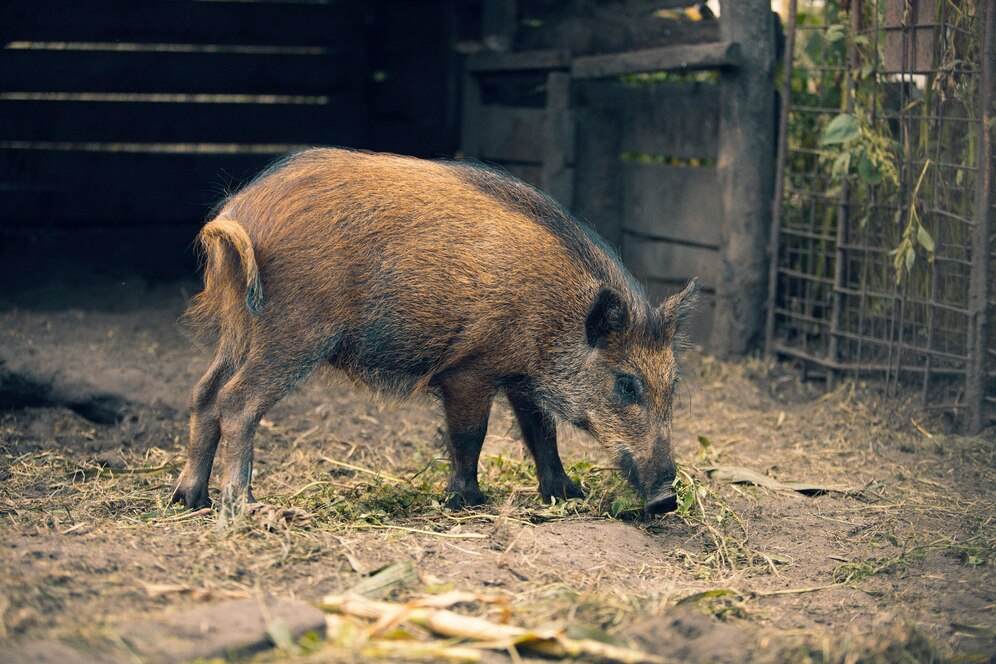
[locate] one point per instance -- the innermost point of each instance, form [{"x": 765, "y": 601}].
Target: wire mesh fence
[{"x": 885, "y": 260}]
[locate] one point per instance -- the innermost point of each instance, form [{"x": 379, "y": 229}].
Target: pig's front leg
[
  {"x": 467, "y": 403},
  {"x": 540, "y": 433}
]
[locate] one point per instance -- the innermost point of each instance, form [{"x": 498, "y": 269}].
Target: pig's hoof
[
  {"x": 561, "y": 489},
  {"x": 192, "y": 497},
  {"x": 465, "y": 498}
]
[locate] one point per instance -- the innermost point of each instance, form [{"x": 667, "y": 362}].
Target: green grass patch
[{"x": 510, "y": 484}]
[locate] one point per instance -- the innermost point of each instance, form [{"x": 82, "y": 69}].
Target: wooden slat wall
[
  {"x": 206, "y": 73},
  {"x": 674, "y": 204},
  {"x": 56, "y": 187},
  {"x": 647, "y": 180},
  {"x": 148, "y": 112},
  {"x": 586, "y": 27},
  {"x": 176, "y": 22},
  {"x": 126, "y": 122},
  {"x": 644, "y": 153},
  {"x": 512, "y": 134},
  {"x": 671, "y": 212},
  {"x": 674, "y": 119},
  {"x": 413, "y": 76}
]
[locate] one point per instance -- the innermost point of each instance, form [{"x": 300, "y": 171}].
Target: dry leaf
[{"x": 741, "y": 475}]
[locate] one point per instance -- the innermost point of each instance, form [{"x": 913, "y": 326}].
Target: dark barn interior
[
  {"x": 127, "y": 122},
  {"x": 124, "y": 124}
]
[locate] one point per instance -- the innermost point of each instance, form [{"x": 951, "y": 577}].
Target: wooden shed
[{"x": 123, "y": 123}]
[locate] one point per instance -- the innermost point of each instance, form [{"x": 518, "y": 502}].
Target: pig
[{"x": 444, "y": 277}]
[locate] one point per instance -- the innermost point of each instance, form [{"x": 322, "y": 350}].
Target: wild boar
[{"x": 439, "y": 276}]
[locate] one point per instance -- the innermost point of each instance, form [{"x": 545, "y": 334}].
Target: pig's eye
[{"x": 629, "y": 389}]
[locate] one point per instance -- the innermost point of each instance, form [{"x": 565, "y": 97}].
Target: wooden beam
[
  {"x": 746, "y": 177},
  {"x": 558, "y": 139},
  {"x": 510, "y": 133},
  {"x": 493, "y": 61},
  {"x": 979, "y": 289},
  {"x": 717, "y": 55},
  {"x": 672, "y": 203}
]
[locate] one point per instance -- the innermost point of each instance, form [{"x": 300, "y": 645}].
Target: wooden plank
[
  {"x": 650, "y": 6},
  {"x": 492, "y": 61},
  {"x": 521, "y": 88},
  {"x": 667, "y": 261},
  {"x": 746, "y": 177},
  {"x": 597, "y": 191},
  {"x": 668, "y": 58},
  {"x": 341, "y": 121},
  {"x": 672, "y": 119},
  {"x": 672, "y": 203},
  {"x": 558, "y": 139},
  {"x": 118, "y": 71},
  {"x": 178, "y": 21},
  {"x": 605, "y": 27},
  {"x": 33, "y": 256},
  {"x": 39, "y": 187},
  {"x": 110, "y": 207},
  {"x": 511, "y": 134}
]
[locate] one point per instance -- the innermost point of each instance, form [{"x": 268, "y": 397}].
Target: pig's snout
[{"x": 665, "y": 501}]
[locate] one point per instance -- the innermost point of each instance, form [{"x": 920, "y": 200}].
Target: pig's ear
[
  {"x": 676, "y": 308},
  {"x": 608, "y": 314}
]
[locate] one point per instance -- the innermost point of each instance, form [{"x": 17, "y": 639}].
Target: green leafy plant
[
  {"x": 914, "y": 234},
  {"x": 859, "y": 152}
]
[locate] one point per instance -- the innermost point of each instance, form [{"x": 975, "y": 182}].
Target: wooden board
[
  {"x": 490, "y": 61},
  {"x": 689, "y": 57},
  {"x": 520, "y": 88},
  {"x": 676, "y": 120},
  {"x": 117, "y": 71},
  {"x": 334, "y": 123},
  {"x": 511, "y": 134},
  {"x": 558, "y": 139},
  {"x": 597, "y": 174},
  {"x": 606, "y": 27},
  {"x": 101, "y": 188},
  {"x": 669, "y": 262},
  {"x": 178, "y": 21},
  {"x": 672, "y": 203}
]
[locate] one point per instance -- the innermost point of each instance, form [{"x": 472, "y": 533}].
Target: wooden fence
[
  {"x": 629, "y": 123},
  {"x": 131, "y": 114}
]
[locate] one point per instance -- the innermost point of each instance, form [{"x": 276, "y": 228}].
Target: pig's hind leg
[
  {"x": 205, "y": 430},
  {"x": 467, "y": 403},
  {"x": 265, "y": 377},
  {"x": 540, "y": 433}
]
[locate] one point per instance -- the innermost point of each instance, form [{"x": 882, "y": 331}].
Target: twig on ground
[
  {"x": 378, "y": 526},
  {"x": 481, "y": 633}
]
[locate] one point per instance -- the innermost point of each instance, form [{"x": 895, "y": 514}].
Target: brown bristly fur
[
  {"x": 229, "y": 268},
  {"x": 411, "y": 275}
]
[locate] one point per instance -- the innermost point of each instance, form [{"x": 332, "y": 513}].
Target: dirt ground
[{"x": 897, "y": 567}]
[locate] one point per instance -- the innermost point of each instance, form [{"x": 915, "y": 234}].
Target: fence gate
[
  {"x": 623, "y": 111},
  {"x": 884, "y": 241}
]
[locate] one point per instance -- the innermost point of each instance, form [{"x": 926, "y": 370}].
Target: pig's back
[{"x": 411, "y": 263}]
